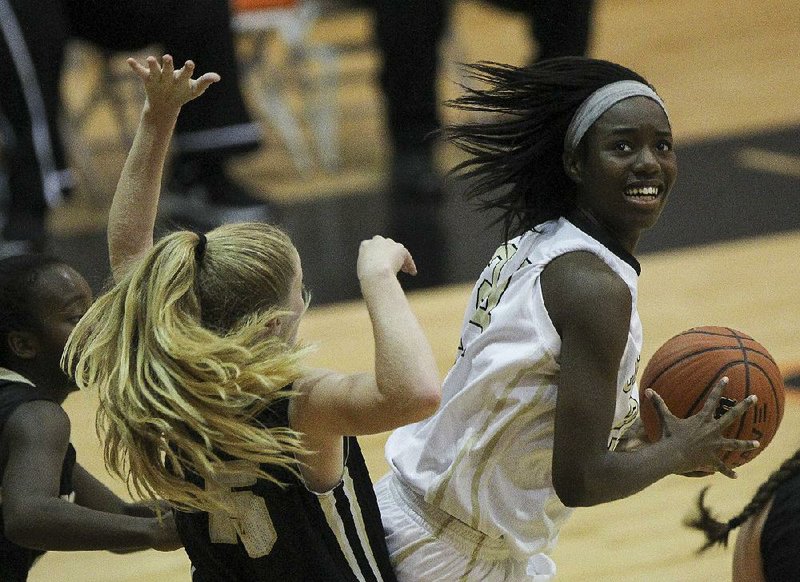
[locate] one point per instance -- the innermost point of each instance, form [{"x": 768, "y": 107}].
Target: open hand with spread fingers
[
  {"x": 169, "y": 89},
  {"x": 698, "y": 440}
]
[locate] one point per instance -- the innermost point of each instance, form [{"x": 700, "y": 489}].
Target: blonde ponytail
[{"x": 184, "y": 362}]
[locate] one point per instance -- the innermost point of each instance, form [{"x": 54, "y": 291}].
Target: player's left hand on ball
[{"x": 698, "y": 440}]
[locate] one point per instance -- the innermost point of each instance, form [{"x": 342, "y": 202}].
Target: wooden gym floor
[{"x": 728, "y": 71}]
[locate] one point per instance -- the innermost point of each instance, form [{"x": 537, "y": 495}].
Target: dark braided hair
[
  {"x": 18, "y": 275},
  {"x": 515, "y": 162},
  {"x": 716, "y": 531}
]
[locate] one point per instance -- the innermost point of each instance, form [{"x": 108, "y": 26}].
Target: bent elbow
[
  {"x": 568, "y": 494},
  {"x": 19, "y": 530},
  {"x": 419, "y": 403},
  {"x": 426, "y": 399},
  {"x": 427, "y": 403},
  {"x": 573, "y": 491}
]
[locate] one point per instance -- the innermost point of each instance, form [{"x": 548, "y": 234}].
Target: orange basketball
[{"x": 685, "y": 369}]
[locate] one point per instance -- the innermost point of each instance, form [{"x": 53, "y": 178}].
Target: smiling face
[{"x": 625, "y": 167}]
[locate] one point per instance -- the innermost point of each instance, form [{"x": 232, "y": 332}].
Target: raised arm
[
  {"x": 590, "y": 307},
  {"x": 405, "y": 386},
  {"x": 36, "y": 438},
  {"x": 133, "y": 210}
]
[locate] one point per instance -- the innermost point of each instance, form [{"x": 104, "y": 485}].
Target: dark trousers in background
[
  {"x": 409, "y": 31},
  {"x": 33, "y": 39}
]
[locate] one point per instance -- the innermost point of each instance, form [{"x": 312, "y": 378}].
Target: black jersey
[
  {"x": 291, "y": 534},
  {"x": 15, "y": 561},
  {"x": 780, "y": 536}
]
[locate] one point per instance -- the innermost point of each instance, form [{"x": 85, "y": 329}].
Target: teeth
[{"x": 648, "y": 191}]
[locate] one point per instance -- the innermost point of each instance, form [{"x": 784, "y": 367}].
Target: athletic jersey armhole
[
  {"x": 540, "y": 312},
  {"x": 338, "y": 484}
]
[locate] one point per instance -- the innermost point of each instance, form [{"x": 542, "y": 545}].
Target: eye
[
  {"x": 664, "y": 146},
  {"x": 623, "y": 146}
]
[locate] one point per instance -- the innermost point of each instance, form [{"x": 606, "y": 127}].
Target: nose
[{"x": 646, "y": 161}]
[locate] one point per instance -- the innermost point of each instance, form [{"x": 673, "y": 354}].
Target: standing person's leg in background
[
  {"x": 212, "y": 130},
  {"x": 32, "y": 39},
  {"x": 408, "y": 34},
  {"x": 561, "y": 27}
]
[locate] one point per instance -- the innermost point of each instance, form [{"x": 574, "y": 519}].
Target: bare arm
[
  {"x": 133, "y": 209},
  {"x": 36, "y": 436},
  {"x": 590, "y": 307},
  {"x": 405, "y": 386},
  {"x": 747, "y": 563},
  {"x": 92, "y": 493}
]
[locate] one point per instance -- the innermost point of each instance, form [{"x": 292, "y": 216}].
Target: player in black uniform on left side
[
  {"x": 48, "y": 501},
  {"x": 205, "y": 400}
]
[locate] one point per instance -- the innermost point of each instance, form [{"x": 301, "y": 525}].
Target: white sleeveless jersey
[{"x": 485, "y": 457}]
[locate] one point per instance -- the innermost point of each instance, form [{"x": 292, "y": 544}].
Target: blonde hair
[{"x": 182, "y": 356}]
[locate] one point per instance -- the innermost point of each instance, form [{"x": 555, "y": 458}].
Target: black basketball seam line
[
  {"x": 698, "y": 331},
  {"x": 693, "y": 409},
  {"x": 760, "y": 368},
  {"x": 700, "y": 352},
  {"x": 747, "y": 364},
  {"x": 735, "y": 334},
  {"x": 749, "y": 455},
  {"x": 727, "y": 454},
  {"x": 772, "y": 387}
]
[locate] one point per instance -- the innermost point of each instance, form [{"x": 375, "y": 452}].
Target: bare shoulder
[
  {"x": 582, "y": 272},
  {"x": 576, "y": 284},
  {"x": 747, "y": 563},
  {"x": 319, "y": 392},
  {"x": 315, "y": 382},
  {"x": 43, "y": 419},
  {"x": 39, "y": 427}
]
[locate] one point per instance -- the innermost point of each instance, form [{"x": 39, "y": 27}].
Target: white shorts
[{"x": 425, "y": 543}]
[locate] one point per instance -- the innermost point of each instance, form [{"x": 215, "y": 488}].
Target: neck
[
  {"x": 57, "y": 390},
  {"x": 628, "y": 242}
]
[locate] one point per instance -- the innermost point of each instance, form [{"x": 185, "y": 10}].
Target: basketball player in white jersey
[{"x": 578, "y": 157}]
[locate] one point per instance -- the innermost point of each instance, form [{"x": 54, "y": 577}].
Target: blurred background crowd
[{"x": 327, "y": 117}]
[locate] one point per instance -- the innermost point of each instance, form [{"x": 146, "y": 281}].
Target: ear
[
  {"x": 572, "y": 166},
  {"x": 274, "y": 326},
  {"x": 23, "y": 344}
]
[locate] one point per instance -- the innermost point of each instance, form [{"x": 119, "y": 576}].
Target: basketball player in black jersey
[
  {"x": 205, "y": 399},
  {"x": 48, "y": 501}
]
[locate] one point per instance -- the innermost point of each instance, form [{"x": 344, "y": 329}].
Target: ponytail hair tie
[
  {"x": 200, "y": 249},
  {"x": 735, "y": 522}
]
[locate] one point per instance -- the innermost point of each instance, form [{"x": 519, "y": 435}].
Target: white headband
[{"x": 601, "y": 101}]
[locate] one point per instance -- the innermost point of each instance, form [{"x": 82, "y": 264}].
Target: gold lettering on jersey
[
  {"x": 490, "y": 291},
  {"x": 619, "y": 429},
  {"x": 249, "y": 521}
]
